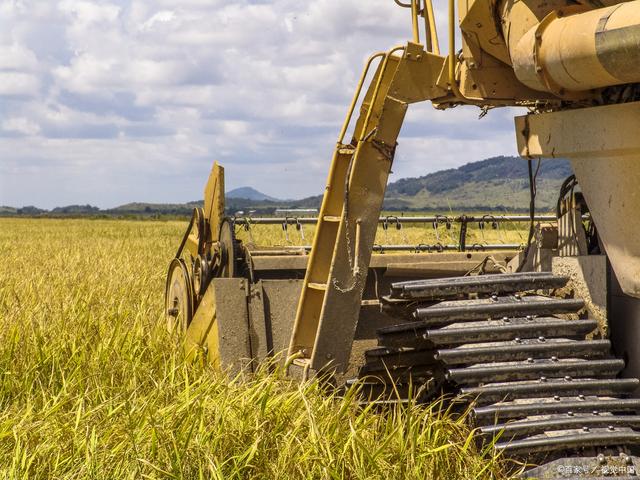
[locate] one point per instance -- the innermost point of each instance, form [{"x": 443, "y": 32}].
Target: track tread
[{"x": 533, "y": 376}]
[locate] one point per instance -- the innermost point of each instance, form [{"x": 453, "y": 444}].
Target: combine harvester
[{"x": 545, "y": 339}]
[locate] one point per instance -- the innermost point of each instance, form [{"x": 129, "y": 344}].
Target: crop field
[{"x": 92, "y": 386}]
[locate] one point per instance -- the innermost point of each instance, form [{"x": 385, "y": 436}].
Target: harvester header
[{"x": 542, "y": 336}]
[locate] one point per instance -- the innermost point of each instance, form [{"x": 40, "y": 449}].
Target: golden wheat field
[{"x": 93, "y": 387}]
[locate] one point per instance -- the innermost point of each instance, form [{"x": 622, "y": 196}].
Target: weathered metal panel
[
  {"x": 280, "y": 301},
  {"x": 260, "y": 341},
  {"x": 604, "y": 151},
  {"x": 234, "y": 344},
  {"x": 624, "y": 327}
]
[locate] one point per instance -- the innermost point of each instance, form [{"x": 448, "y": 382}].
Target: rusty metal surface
[
  {"x": 578, "y": 440},
  {"x": 561, "y": 422},
  {"x": 524, "y": 350},
  {"x": 498, "y": 330},
  {"x": 510, "y": 306},
  {"x": 454, "y": 287},
  {"x": 512, "y": 410},
  {"x": 502, "y": 372}
]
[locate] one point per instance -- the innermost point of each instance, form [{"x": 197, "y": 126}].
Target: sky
[{"x": 110, "y": 102}]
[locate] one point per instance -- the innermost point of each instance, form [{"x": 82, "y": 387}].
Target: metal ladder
[{"x": 330, "y": 301}]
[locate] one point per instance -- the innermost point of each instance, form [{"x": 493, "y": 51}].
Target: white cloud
[
  {"x": 18, "y": 84},
  {"x": 17, "y": 57},
  {"x": 122, "y": 100},
  {"x": 20, "y": 125}
]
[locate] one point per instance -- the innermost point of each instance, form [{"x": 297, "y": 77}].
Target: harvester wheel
[
  {"x": 201, "y": 275},
  {"x": 227, "y": 267},
  {"x": 178, "y": 297}
]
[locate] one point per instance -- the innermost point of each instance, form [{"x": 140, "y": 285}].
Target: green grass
[{"x": 92, "y": 386}]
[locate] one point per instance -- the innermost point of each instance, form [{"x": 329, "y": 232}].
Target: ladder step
[
  {"x": 346, "y": 151},
  {"x": 317, "y": 286},
  {"x": 331, "y": 218}
]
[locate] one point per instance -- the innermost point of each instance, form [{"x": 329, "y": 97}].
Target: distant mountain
[
  {"x": 250, "y": 193},
  {"x": 494, "y": 184}
]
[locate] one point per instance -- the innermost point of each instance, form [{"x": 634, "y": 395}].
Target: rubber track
[{"x": 539, "y": 384}]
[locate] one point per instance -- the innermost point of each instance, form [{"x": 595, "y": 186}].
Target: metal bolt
[
  {"x": 585, "y": 429},
  {"x": 517, "y": 296},
  {"x": 556, "y": 398},
  {"x": 611, "y": 428},
  {"x": 518, "y": 340},
  {"x": 568, "y": 378},
  {"x": 538, "y": 69},
  {"x": 570, "y": 413},
  {"x": 542, "y": 339},
  {"x": 543, "y": 379},
  {"x": 529, "y": 317},
  {"x": 530, "y": 360},
  {"x": 596, "y": 412},
  {"x": 554, "y": 359},
  {"x": 601, "y": 459},
  {"x": 580, "y": 397}
]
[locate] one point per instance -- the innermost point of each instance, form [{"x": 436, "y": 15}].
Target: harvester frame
[{"x": 575, "y": 65}]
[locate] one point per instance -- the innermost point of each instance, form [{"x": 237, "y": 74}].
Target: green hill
[{"x": 499, "y": 183}]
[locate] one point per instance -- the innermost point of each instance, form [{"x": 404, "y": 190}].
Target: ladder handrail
[
  {"x": 354, "y": 100},
  {"x": 376, "y": 90}
]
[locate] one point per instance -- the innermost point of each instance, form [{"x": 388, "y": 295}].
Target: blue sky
[{"x": 108, "y": 102}]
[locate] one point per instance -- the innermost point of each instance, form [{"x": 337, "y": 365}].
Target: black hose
[
  {"x": 186, "y": 235},
  {"x": 532, "y": 210},
  {"x": 567, "y": 186}
]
